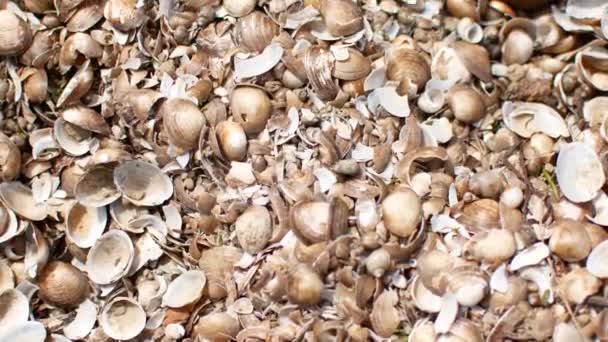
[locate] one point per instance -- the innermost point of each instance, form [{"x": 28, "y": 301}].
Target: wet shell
[
  {"x": 19, "y": 198},
  {"x": 96, "y": 188},
  {"x": 255, "y": 31},
  {"x": 142, "y": 183},
  {"x": 110, "y": 258},
  {"x": 254, "y": 229},
  {"x": 186, "y": 289},
  {"x": 251, "y": 107},
  {"x": 183, "y": 122},
  {"x": 15, "y": 34},
  {"x": 122, "y": 319},
  {"x": 579, "y": 172},
  {"x": 355, "y": 67},
  {"x": 401, "y": 212},
  {"x": 62, "y": 284},
  {"x": 84, "y": 225},
  {"x": 125, "y": 15}
]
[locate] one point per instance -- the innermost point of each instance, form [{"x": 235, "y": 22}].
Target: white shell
[
  {"x": 14, "y": 309},
  {"x": 20, "y": 199},
  {"x": 530, "y": 256},
  {"x": 7, "y": 278},
  {"x": 260, "y": 64},
  {"x": 122, "y": 319},
  {"x": 186, "y": 289},
  {"x": 30, "y": 331},
  {"x": 527, "y": 118},
  {"x": 124, "y": 212},
  {"x": 96, "y": 188},
  {"x": 83, "y": 322},
  {"x": 579, "y": 172},
  {"x": 424, "y": 299},
  {"x": 447, "y": 314},
  {"x": 72, "y": 139},
  {"x": 596, "y": 261},
  {"x": 12, "y": 224},
  {"x": 142, "y": 183},
  {"x": 566, "y": 332},
  {"x": 84, "y": 225},
  {"x": 110, "y": 258},
  {"x": 150, "y": 291},
  {"x": 595, "y": 111}
]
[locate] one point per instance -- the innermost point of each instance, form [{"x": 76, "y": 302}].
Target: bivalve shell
[
  {"x": 110, "y": 258},
  {"x": 62, "y": 284},
  {"x": 10, "y": 159},
  {"x": 255, "y": 31},
  {"x": 591, "y": 65},
  {"x": 251, "y": 107},
  {"x": 401, "y": 212},
  {"x": 183, "y": 122},
  {"x": 217, "y": 327},
  {"x": 84, "y": 225},
  {"x": 125, "y": 15},
  {"x": 384, "y": 316},
  {"x": 19, "y": 198},
  {"x": 96, "y": 188},
  {"x": 15, "y": 34},
  {"x": 239, "y": 8},
  {"x": 86, "y": 118},
  {"x": 218, "y": 262},
  {"x": 231, "y": 140},
  {"x": 186, "y": 289},
  {"x": 142, "y": 183},
  {"x": 15, "y": 309},
  {"x": 122, "y": 319},
  {"x": 579, "y": 172},
  {"x": 342, "y": 17},
  {"x": 30, "y": 331},
  {"x": 254, "y": 229},
  {"x": 355, "y": 67},
  {"x": 318, "y": 221}
]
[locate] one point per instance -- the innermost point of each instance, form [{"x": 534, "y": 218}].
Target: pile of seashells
[{"x": 317, "y": 170}]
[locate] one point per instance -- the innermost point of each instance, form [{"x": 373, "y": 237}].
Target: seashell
[
  {"x": 464, "y": 330},
  {"x": 494, "y": 245},
  {"x": 110, "y": 257},
  {"x": 15, "y": 309},
  {"x": 251, "y": 108},
  {"x": 254, "y": 229},
  {"x": 567, "y": 332},
  {"x": 38, "y": 6},
  {"x": 260, "y": 64},
  {"x": 469, "y": 31},
  {"x": 517, "y": 37},
  {"x": 341, "y": 17},
  {"x": 186, "y": 289},
  {"x": 475, "y": 58},
  {"x": 424, "y": 299},
  {"x": 423, "y": 331},
  {"x": 255, "y": 31},
  {"x": 10, "y": 159},
  {"x": 378, "y": 262},
  {"x": 83, "y": 322},
  {"x": 579, "y": 172},
  {"x": 122, "y": 319},
  {"x": 218, "y": 327},
  {"x": 7, "y": 278},
  {"x": 473, "y": 9},
  {"x": 84, "y": 225},
  {"x": 577, "y": 285},
  {"x": 141, "y": 101},
  {"x": 72, "y": 139},
  {"x": 592, "y": 67},
  {"x": 86, "y": 16},
  {"x": 527, "y": 118},
  {"x": 384, "y": 316},
  {"x": 15, "y": 34},
  {"x": 569, "y": 240},
  {"x": 142, "y": 183},
  {"x": 125, "y": 15},
  {"x": 304, "y": 285},
  {"x": 469, "y": 285},
  {"x": 35, "y": 86},
  {"x": 318, "y": 221},
  {"x": 218, "y": 262},
  {"x": 77, "y": 46},
  {"x": 318, "y": 64},
  {"x": 44, "y": 146},
  {"x": 37, "y": 251},
  {"x": 19, "y": 198},
  {"x": 25, "y": 331},
  {"x": 357, "y": 66},
  {"x": 78, "y": 86},
  {"x": 466, "y": 104},
  {"x": 86, "y": 118},
  {"x": 516, "y": 290},
  {"x": 596, "y": 264},
  {"x": 231, "y": 140},
  {"x": 150, "y": 289},
  {"x": 432, "y": 268},
  {"x": 406, "y": 65},
  {"x": 401, "y": 212},
  {"x": 183, "y": 123},
  {"x": 595, "y": 110},
  {"x": 239, "y": 8},
  {"x": 96, "y": 188},
  {"x": 40, "y": 51},
  {"x": 62, "y": 284},
  {"x": 532, "y": 255}
]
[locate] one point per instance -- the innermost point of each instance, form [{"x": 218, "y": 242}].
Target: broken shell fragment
[
  {"x": 579, "y": 172},
  {"x": 186, "y": 289},
  {"x": 110, "y": 257},
  {"x": 20, "y": 199},
  {"x": 62, "y": 284},
  {"x": 596, "y": 264},
  {"x": 341, "y": 17},
  {"x": 142, "y": 183},
  {"x": 122, "y": 318},
  {"x": 125, "y": 15},
  {"x": 15, "y": 308}
]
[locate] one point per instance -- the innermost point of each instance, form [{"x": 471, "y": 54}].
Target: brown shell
[
  {"x": 86, "y": 118},
  {"x": 62, "y": 284},
  {"x": 318, "y": 64},
  {"x": 10, "y": 159},
  {"x": 255, "y": 31},
  {"x": 318, "y": 221},
  {"x": 15, "y": 34},
  {"x": 342, "y": 17},
  {"x": 218, "y": 263},
  {"x": 35, "y": 86},
  {"x": 231, "y": 140},
  {"x": 251, "y": 107},
  {"x": 216, "y": 327},
  {"x": 355, "y": 67},
  {"x": 475, "y": 58},
  {"x": 480, "y": 215},
  {"x": 125, "y": 15},
  {"x": 384, "y": 316},
  {"x": 407, "y": 65},
  {"x": 304, "y": 286},
  {"x": 183, "y": 122}
]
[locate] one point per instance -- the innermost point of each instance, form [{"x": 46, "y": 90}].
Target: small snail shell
[
  {"x": 251, "y": 107},
  {"x": 304, "y": 286},
  {"x": 401, "y": 212},
  {"x": 232, "y": 140},
  {"x": 183, "y": 122},
  {"x": 62, "y": 284},
  {"x": 466, "y": 104},
  {"x": 342, "y": 17},
  {"x": 15, "y": 34}
]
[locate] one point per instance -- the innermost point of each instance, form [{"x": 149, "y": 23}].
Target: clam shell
[
  {"x": 125, "y": 15},
  {"x": 318, "y": 64},
  {"x": 407, "y": 65},
  {"x": 183, "y": 122},
  {"x": 596, "y": 262},
  {"x": 255, "y": 31},
  {"x": 44, "y": 146},
  {"x": 355, "y": 67},
  {"x": 124, "y": 212},
  {"x": 110, "y": 258},
  {"x": 592, "y": 66},
  {"x": 84, "y": 225},
  {"x": 595, "y": 111},
  {"x": 527, "y": 118},
  {"x": 86, "y": 118},
  {"x": 87, "y": 15},
  {"x": 30, "y": 331},
  {"x": 62, "y": 284},
  {"x": 254, "y": 229},
  {"x": 122, "y": 318},
  {"x": 424, "y": 299},
  {"x": 96, "y": 188},
  {"x": 579, "y": 172},
  {"x": 469, "y": 286},
  {"x": 251, "y": 108},
  {"x": 15, "y": 309},
  {"x": 72, "y": 139},
  {"x": 78, "y": 86},
  {"x": 9, "y": 226},
  {"x": 15, "y": 34},
  {"x": 19, "y": 198},
  {"x": 83, "y": 322},
  {"x": 150, "y": 290},
  {"x": 218, "y": 262},
  {"x": 142, "y": 183},
  {"x": 186, "y": 289},
  {"x": 384, "y": 316}
]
